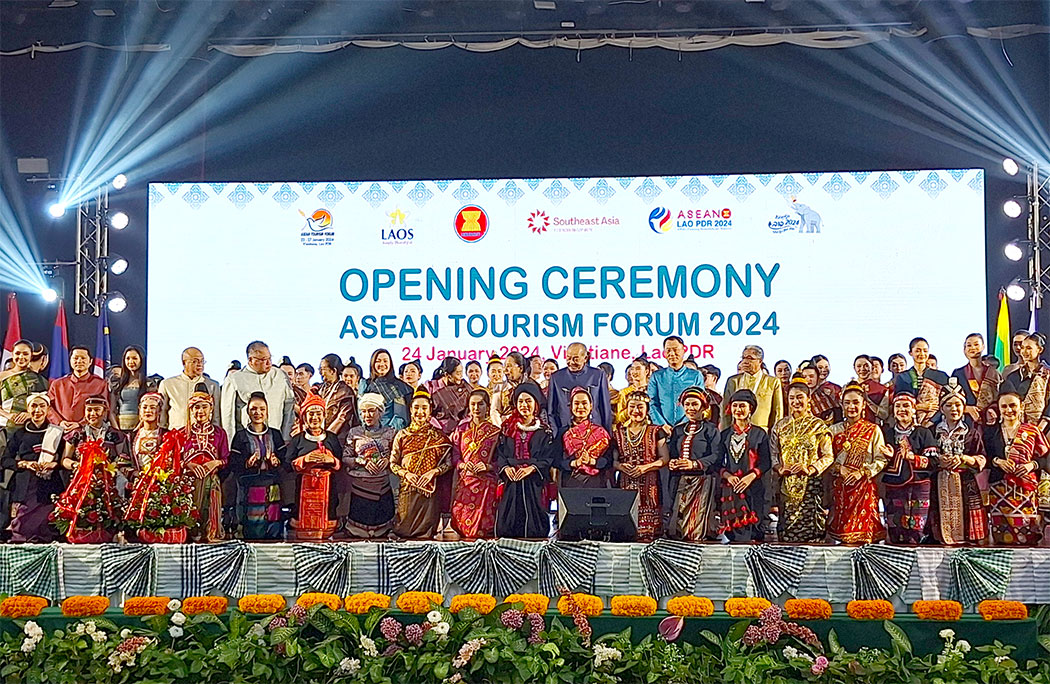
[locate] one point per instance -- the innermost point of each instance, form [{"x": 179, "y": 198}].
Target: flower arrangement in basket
[
  {"x": 161, "y": 505},
  {"x": 89, "y": 510}
]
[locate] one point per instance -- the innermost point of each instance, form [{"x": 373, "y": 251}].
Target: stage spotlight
[
  {"x": 1015, "y": 290},
  {"x": 119, "y": 220},
  {"x": 116, "y": 302},
  {"x": 1010, "y": 166},
  {"x": 118, "y": 264},
  {"x": 121, "y": 180},
  {"x": 1012, "y": 208},
  {"x": 49, "y": 294},
  {"x": 56, "y": 209},
  {"x": 1014, "y": 250}
]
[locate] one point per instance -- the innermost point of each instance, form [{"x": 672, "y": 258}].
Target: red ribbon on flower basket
[
  {"x": 168, "y": 459},
  {"x": 70, "y": 503}
]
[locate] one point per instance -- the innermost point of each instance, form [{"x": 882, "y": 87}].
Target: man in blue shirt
[{"x": 667, "y": 383}]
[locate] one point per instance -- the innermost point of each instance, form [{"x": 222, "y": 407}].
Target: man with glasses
[
  {"x": 259, "y": 375},
  {"x": 177, "y": 389}
]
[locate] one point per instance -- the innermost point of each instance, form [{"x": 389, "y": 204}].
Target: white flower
[
  {"x": 175, "y": 631},
  {"x": 178, "y": 619},
  {"x": 257, "y": 630},
  {"x": 349, "y": 666},
  {"x": 80, "y": 628},
  {"x": 369, "y": 647},
  {"x": 90, "y": 628},
  {"x": 947, "y": 634},
  {"x": 117, "y": 668},
  {"x": 1001, "y": 659},
  {"x": 790, "y": 652},
  {"x": 174, "y": 605},
  {"x": 963, "y": 646},
  {"x": 29, "y": 645},
  {"x": 125, "y": 633},
  {"x": 434, "y": 616},
  {"x": 98, "y": 637},
  {"x": 32, "y": 629},
  {"x": 604, "y": 654},
  {"x": 441, "y": 628}
]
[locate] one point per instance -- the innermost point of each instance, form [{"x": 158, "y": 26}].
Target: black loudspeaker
[{"x": 598, "y": 514}]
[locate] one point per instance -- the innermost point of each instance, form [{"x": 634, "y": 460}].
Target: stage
[{"x": 661, "y": 569}]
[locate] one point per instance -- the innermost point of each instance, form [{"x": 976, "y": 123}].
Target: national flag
[
  {"x": 59, "y": 345},
  {"x": 1002, "y": 332},
  {"x": 14, "y": 330},
  {"x": 102, "y": 352}
]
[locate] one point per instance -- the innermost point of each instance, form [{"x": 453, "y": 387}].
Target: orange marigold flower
[
  {"x": 870, "y": 610},
  {"x": 361, "y": 603},
  {"x": 808, "y": 609},
  {"x": 205, "y": 604},
  {"x": 690, "y": 606},
  {"x": 84, "y": 606},
  {"x": 746, "y": 607},
  {"x": 15, "y": 607},
  {"x": 1002, "y": 610},
  {"x": 313, "y": 598},
  {"x": 532, "y": 603},
  {"x": 261, "y": 604},
  {"x": 483, "y": 603},
  {"x": 937, "y": 610},
  {"x": 632, "y": 606},
  {"x": 419, "y": 601},
  {"x": 588, "y": 604},
  {"x": 146, "y": 605}
]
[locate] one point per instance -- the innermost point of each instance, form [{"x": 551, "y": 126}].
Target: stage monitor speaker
[{"x": 598, "y": 514}]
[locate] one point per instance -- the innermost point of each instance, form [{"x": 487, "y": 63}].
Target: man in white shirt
[
  {"x": 177, "y": 389},
  {"x": 259, "y": 375}
]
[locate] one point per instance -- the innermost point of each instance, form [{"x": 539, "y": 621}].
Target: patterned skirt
[
  {"x": 803, "y": 518},
  {"x": 855, "y": 515},
  {"x": 907, "y": 508},
  {"x": 1015, "y": 518}
]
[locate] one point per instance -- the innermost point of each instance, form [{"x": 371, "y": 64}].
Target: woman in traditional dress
[
  {"x": 205, "y": 453},
  {"x": 32, "y": 454},
  {"x": 586, "y": 456},
  {"x": 16, "y": 385},
  {"x": 923, "y": 382},
  {"x": 641, "y": 452},
  {"x": 352, "y": 376},
  {"x": 860, "y": 455},
  {"x": 637, "y": 381},
  {"x": 127, "y": 390},
  {"x": 315, "y": 454},
  {"x": 524, "y": 456},
  {"x": 147, "y": 436},
  {"x": 258, "y": 464},
  {"x": 339, "y": 399},
  {"x": 695, "y": 450},
  {"x": 514, "y": 375},
  {"x": 957, "y": 512},
  {"x": 366, "y": 456},
  {"x": 800, "y": 447},
  {"x": 450, "y": 400},
  {"x": 745, "y": 449},
  {"x": 419, "y": 454},
  {"x": 473, "y": 455},
  {"x": 906, "y": 478},
  {"x": 1031, "y": 381},
  {"x": 1017, "y": 455},
  {"x": 473, "y": 375},
  {"x": 396, "y": 394},
  {"x": 89, "y": 511}
]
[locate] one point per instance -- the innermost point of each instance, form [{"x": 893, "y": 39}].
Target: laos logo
[
  {"x": 397, "y": 231},
  {"x": 660, "y": 220},
  {"x": 318, "y": 230},
  {"x": 799, "y": 217},
  {"x": 471, "y": 223}
]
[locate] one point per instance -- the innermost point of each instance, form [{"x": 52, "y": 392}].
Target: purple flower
[
  {"x": 277, "y": 622},
  {"x": 390, "y": 628},
  {"x": 819, "y": 665},
  {"x": 752, "y": 636},
  {"x": 671, "y": 627},
  {"x": 771, "y": 615},
  {"x": 414, "y": 634},
  {"x": 512, "y": 619},
  {"x": 298, "y": 612},
  {"x": 537, "y": 627}
]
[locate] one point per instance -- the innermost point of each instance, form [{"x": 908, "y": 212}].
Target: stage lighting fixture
[
  {"x": 1014, "y": 250},
  {"x": 120, "y": 181},
  {"x": 56, "y": 209},
  {"x": 118, "y": 264},
  {"x": 119, "y": 220},
  {"x": 1015, "y": 290},
  {"x": 1010, "y": 166},
  {"x": 116, "y": 302},
  {"x": 1012, "y": 208},
  {"x": 49, "y": 294}
]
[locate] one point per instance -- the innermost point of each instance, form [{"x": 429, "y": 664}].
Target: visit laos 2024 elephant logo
[{"x": 799, "y": 217}]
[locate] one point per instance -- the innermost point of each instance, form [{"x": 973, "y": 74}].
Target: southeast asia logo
[
  {"x": 800, "y": 217},
  {"x": 539, "y": 221},
  {"x": 397, "y": 231},
  {"x": 318, "y": 229},
  {"x": 471, "y": 223},
  {"x": 660, "y": 220}
]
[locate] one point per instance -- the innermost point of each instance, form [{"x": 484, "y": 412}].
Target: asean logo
[
  {"x": 319, "y": 220},
  {"x": 660, "y": 220},
  {"x": 538, "y": 222},
  {"x": 472, "y": 223}
]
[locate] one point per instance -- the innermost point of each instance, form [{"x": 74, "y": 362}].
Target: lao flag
[
  {"x": 102, "y": 353},
  {"x": 14, "y": 329},
  {"x": 59, "y": 345}
]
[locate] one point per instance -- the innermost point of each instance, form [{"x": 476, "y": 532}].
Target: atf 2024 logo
[
  {"x": 471, "y": 223},
  {"x": 662, "y": 220},
  {"x": 318, "y": 230}
]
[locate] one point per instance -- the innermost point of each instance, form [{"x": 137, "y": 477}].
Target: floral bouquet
[{"x": 168, "y": 505}]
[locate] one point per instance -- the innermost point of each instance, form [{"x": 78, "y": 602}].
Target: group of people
[{"x": 925, "y": 458}]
